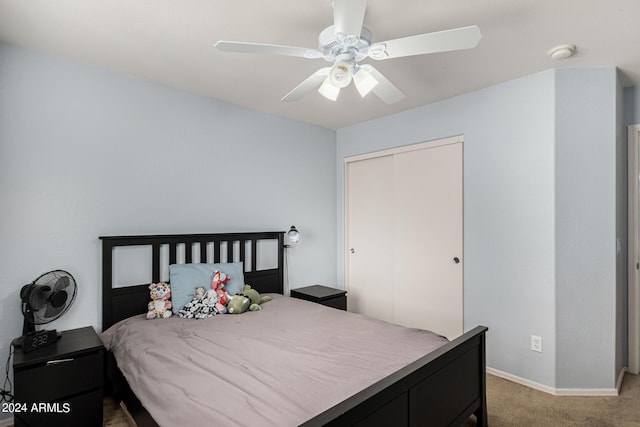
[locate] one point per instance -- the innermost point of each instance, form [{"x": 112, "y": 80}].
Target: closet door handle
[
  {"x": 456, "y": 260},
  {"x": 353, "y": 251}
]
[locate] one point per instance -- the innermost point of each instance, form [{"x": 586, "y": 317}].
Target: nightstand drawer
[
  {"x": 337, "y": 302},
  {"x": 59, "y": 378}
]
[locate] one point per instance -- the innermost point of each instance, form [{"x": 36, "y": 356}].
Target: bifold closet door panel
[
  {"x": 369, "y": 237},
  {"x": 427, "y": 200}
]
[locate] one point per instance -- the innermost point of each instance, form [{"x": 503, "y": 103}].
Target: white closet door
[
  {"x": 370, "y": 218},
  {"x": 404, "y": 233},
  {"x": 428, "y": 237}
]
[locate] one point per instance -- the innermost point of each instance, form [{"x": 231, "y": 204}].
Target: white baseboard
[
  {"x": 6, "y": 422},
  {"x": 560, "y": 391}
]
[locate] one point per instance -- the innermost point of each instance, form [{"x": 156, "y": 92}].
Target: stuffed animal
[
  {"x": 160, "y": 305},
  {"x": 218, "y": 282},
  {"x": 238, "y": 304},
  {"x": 203, "y": 304},
  {"x": 198, "y": 293},
  {"x": 212, "y": 301},
  {"x": 254, "y": 296}
]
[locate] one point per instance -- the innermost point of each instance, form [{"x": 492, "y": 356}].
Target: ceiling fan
[{"x": 347, "y": 42}]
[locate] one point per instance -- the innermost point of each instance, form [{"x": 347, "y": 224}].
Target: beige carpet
[
  {"x": 510, "y": 404},
  {"x": 114, "y": 415},
  {"x": 514, "y": 405}
]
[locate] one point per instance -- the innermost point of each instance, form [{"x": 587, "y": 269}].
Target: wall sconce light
[{"x": 292, "y": 236}]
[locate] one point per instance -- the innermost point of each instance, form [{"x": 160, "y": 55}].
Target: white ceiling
[{"x": 172, "y": 42}]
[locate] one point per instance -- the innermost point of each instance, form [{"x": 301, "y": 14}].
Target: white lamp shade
[
  {"x": 340, "y": 74},
  {"x": 364, "y": 82},
  {"x": 293, "y": 235},
  {"x": 328, "y": 90}
]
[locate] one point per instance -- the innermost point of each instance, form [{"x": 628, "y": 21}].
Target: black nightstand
[
  {"x": 64, "y": 381},
  {"x": 324, "y": 295}
]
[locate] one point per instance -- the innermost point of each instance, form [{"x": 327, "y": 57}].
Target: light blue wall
[
  {"x": 541, "y": 190},
  {"x": 631, "y": 117},
  {"x": 585, "y": 192},
  {"x": 622, "y": 264},
  {"x": 86, "y": 152},
  {"x": 508, "y": 209},
  {"x": 632, "y": 105}
]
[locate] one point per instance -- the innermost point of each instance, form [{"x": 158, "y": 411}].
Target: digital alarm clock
[{"x": 35, "y": 340}]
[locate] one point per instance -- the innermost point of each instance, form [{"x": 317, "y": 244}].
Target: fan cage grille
[{"x": 37, "y": 297}]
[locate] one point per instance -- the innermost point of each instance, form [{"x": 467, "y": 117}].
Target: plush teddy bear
[
  {"x": 238, "y": 304},
  {"x": 160, "y": 305},
  {"x": 218, "y": 282},
  {"x": 254, "y": 296}
]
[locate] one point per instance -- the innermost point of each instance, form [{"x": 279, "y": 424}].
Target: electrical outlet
[{"x": 536, "y": 343}]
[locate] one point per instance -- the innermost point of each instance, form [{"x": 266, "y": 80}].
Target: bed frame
[{"x": 443, "y": 388}]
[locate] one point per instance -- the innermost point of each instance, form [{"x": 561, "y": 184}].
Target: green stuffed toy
[
  {"x": 249, "y": 299},
  {"x": 238, "y": 304},
  {"x": 254, "y": 296}
]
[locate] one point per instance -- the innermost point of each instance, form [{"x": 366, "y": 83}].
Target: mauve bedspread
[{"x": 276, "y": 367}]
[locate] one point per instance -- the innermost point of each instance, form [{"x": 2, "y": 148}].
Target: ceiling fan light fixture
[
  {"x": 328, "y": 90},
  {"x": 347, "y": 42},
  {"x": 340, "y": 74},
  {"x": 364, "y": 82}
]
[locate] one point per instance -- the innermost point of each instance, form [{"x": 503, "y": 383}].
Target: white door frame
[
  {"x": 402, "y": 149},
  {"x": 634, "y": 248}
]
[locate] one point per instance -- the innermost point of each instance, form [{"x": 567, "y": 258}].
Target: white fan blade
[
  {"x": 272, "y": 49},
  {"x": 309, "y": 84},
  {"x": 385, "y": 90},
  {"x": 348, "y": 16},
  {"x": 441, "y": 41}
]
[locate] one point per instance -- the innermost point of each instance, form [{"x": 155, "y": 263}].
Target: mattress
[{"x": 279, "y": 366}]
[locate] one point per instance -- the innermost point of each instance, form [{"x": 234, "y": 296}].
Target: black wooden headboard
[{"x": 130, "y": 299}]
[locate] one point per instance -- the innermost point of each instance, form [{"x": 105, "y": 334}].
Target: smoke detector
[{"x": 562, "y": 51}]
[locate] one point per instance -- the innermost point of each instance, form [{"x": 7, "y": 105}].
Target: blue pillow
[{"x": 185, "y": 277}]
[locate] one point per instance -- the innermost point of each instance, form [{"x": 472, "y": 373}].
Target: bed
[{"x": 431, "y": 383}]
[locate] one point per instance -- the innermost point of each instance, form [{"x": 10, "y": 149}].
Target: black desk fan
[{"x": 43, "y": 301}]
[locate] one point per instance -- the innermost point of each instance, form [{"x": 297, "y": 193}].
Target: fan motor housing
[
  {"x": 46, "y": 299},
  {"x": 331, "y": 45}
]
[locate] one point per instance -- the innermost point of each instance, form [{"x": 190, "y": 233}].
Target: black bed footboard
[{"x": 443, "y": 388}]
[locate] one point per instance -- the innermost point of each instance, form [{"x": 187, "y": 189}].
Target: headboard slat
[
  {"x": 172, "y": 253},
  {"x": 216, "y": 252},
  {"x": 188, "y": 253},
  {"x": 203, "y": 251},
  {"x": 155, "y": 262},
  {"x": 254, "y": 256},
  {"x": 229, "y": 251},
  {"x": 243, "y": 244}
]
